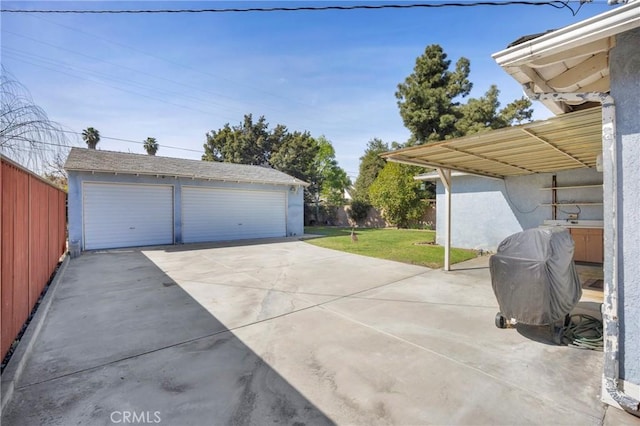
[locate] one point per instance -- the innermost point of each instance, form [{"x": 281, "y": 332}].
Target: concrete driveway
[{"x": 285, "y": 332}]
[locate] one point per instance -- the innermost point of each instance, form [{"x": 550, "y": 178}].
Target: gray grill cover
[{"x": 534, "y": 277}]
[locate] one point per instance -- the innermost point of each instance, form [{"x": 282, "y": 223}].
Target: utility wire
[
  {"x": 209, "y": 102},
  {"x": 118, "y": 88},
  {"x": 200, "y": 151},
  {"x": 95, "y": 58},
  {"x": 27, "y": 57},
  {"x": 556, "y": 4},
  {"x": 194, "y": 69}
]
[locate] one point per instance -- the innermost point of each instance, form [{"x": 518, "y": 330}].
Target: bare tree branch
[{"x": 27, "y": 135}]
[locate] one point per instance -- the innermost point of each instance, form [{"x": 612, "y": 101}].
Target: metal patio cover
[{"x": 569, "y": 141}]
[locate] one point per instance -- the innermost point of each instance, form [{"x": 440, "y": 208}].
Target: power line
[
  {"x": 27, "y": 57},
  {"x": 555, "y": 3},
  {"x": 115, "y": 87},
  {"x": 101, "y": 138},
  {"x": 95, "y": 58},
  {"x": 138, "y": 142},
  {"x": 130, "y": 81},
  {"x": 198, "y": 70}
]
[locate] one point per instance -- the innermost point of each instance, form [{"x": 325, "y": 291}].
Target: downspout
[{"x": 610, "y": 303}]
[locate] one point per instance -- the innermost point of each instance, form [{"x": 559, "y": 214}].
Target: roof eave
[
  {"x": 295, "y": 182},
  {"x": 605, "y": 25}
]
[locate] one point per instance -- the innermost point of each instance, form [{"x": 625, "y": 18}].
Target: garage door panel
[
  {"x": 119, "y": 215},
  {"x": 218, "y": 214}
]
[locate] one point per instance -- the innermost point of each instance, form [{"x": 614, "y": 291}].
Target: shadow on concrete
[
  {"x": 223, "y": 244},
  {"x": 471, "y": 268},
  {"x": 121, "y": 337}
]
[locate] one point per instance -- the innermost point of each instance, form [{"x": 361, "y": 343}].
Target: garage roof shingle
[{"x": 92, "y": 160}]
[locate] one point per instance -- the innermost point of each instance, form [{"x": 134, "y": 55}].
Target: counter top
[{"x": 599, "y": 224}]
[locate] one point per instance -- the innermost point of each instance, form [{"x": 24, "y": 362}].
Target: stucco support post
[
  {"x": 611, "y": 232},
  {"x": 445, "y": 177}
]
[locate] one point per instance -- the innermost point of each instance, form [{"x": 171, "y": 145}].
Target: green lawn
[{"x": 402, "y": 245}]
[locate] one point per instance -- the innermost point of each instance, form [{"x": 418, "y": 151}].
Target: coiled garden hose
[{"x": 584, "y": 332}]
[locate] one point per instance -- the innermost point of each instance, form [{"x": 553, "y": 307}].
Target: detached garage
[{"x": 125, "y": 200}]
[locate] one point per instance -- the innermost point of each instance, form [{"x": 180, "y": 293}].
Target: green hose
[{"x": 584, "y": 332}]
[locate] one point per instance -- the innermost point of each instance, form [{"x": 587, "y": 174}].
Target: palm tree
[
  {"x": 151, "y": 146},
  {"x": 91, "y": 136}
]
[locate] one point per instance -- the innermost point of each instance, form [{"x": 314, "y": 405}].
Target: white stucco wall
[
  {"x": 624, "y": 65},
  {"x": 485, "y": 211},
  {"x": 295, "y": 199}
]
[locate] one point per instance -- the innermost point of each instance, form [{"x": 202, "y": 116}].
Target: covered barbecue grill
[{"x": 534, "y": 278}]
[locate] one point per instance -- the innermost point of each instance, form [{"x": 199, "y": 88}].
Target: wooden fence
[{"x": 33, "y": 216}]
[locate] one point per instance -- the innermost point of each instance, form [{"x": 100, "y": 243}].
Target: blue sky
[{"x": 177, "y": 76}]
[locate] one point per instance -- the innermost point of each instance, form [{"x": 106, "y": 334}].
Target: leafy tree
[
  {"x": 397, "y": 195},
  {"x": 358, "y": 210},
  {"x": 429, "y": 101},
  {"x": 370, "y": 165},
  {"x": 331, "y": 180},
  {"x": 151, "y": 146},
  {"x": 245, "y": 143},
  {"x": 427, "y": 98},
  {"x": 91, "y": 136},
  {"x": 295, "y": 155},
  {"x": 217, "y": 142},
  {"x": 482, "y": 114}
]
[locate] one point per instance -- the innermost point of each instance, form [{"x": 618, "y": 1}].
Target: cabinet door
[
  {"x": 580, "y": 240},
  {"x": 595, "y": 246},
  {"x": 588, "y": 245}
]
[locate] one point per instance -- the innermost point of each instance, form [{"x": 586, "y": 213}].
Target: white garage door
[
  {"x": 119, "y": 215},
  {"x": 222, "y": 214}
]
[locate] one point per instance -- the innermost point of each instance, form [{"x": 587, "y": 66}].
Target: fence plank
[
  {"x": 21, "y": 306},
  {"x": 8, "y": 212}
]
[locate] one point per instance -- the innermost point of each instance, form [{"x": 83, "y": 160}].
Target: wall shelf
[
  {"x": 556, "y": 203},
  {"x": 572, "y": 187},
  {"x": 584, "y": 203}
]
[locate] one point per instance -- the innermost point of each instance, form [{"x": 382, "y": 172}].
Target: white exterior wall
[
  {"x": 484, "y": 211},
  {"x": 625, "y": 90}
]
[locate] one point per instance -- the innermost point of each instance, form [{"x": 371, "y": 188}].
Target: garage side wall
[
  {"x": 484, "y": 211},
  {"x": 294, "y": 198},
  {"x": 295, "y": 212}
]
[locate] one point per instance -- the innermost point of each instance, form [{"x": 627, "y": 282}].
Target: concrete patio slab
[
  {"x": 112, "y": 306},
  {"x": 379, "y": 378},
  {"x": 248, "y": 304},
  {"x": 288, "y": 333}
]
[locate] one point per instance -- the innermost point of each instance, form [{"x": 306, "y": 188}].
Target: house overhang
[
  {"x": 294, "y": 182},
  {"x": 574, "y": 59},
  {"x": 569, "y": 141}
]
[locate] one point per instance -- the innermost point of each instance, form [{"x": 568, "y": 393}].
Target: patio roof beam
[
  {"x": 546, "y": 142},
  {"x": 485, "y": 158},
  {"x": 435, "y": 165}
]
